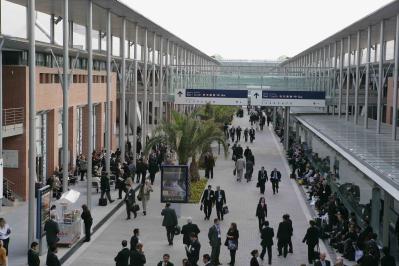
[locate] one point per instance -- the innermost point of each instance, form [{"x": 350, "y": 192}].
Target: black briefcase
[{"x": 102, "y": 202}]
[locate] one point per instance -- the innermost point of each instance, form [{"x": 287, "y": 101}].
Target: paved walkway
[{"x": 242, "y": 199}]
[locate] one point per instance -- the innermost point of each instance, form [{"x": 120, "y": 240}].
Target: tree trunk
[{"x": 194, "y": 171}]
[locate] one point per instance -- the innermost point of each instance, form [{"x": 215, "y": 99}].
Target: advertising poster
[
  {"x": 174, "y": 183},
  {"x": 43, "y": 209}
]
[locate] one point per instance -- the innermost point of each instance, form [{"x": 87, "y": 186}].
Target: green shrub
[{"x": 196, "y": 190}]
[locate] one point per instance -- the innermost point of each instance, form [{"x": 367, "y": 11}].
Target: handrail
[{"x": 12, "y": 116}]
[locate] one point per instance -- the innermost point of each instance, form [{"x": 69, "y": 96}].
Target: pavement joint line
[{"x": 298, "y": 194}]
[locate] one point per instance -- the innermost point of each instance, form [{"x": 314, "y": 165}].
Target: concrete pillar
[
  {"x": 385, "y": 219},
  {"x": 287, "y": 126},
  {"x": 375, "y": 208}
]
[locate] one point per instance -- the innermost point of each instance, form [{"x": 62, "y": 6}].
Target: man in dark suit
[
  {"x": 209, "y": 162},
  {"x": 290, "y": 248},
  {"x": 105, "y": 188},
  {"x": 169, "y": 222},
  {"x": 322, "y": 261},
  {"x": 122, "y": 259},
  {"x": 275, "y": 178},
  {"x": 283, "y": 236},
  {"x": 165, "y": 261},
  {"x": 52, "y": 259},
  {"x": 130, "y": 200},
  {"x": 207, "y": 201},
  {"x": 193, "y": 250},
  {"x": 311, "y": 239},
  {"x": 220, "y": 199},
  {"x": 262, "y": 179},
  {"x": 187, "y": 229},
  {"x": 214, "y": 236},
  {"x": 51, "y": 228},
  {"x": 33, "y": 255},
  {"x": 251, "y": 134},
  {"x": 239, "y": 151},
  {"x": 134, "y": 240},
  {"x": 206, "y": 259},
  {"x": 267, "y": 235}
]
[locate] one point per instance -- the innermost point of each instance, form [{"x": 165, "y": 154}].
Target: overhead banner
[
  {"x": 293, "y": 98},
  {"x": 216, "y": 97},
  {"x": 174, "y": 183}
]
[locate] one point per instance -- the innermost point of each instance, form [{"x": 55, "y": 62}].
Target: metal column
[
  {"x": 287, "y": 127},
  {"x": 65, "y": 102},
  {"x": 357, "y": 81},
  {"x": 108, "y": 100},
  {"x": 341, "y": 77},
  {"x": 160, "y": 81},
  {"x": 153, "y": 81},
  {"x": 122, "y": 115},
  {"x": 395, "y": 82},
  {"x": 145, "y": 101},
  {"x": 375, "y": 208},
  {"x": 89, "y": 97},
  {"x": 380, "y": 76},
  {"x": 366, "y": 88},
  {"x": 32, "y": 117},
  {"x": 348, "y": 75},
  {"x": 334, "y": 74},
  {"x": 1, "y": 122},
  {"x": 135, "y": 94}
]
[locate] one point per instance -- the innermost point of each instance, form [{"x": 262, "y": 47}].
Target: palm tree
[{"x": 188, "y": 137}]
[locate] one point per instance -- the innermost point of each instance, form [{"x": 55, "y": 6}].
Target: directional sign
[
  {"x": 256, "y": 97},
  {"x": 216, "y": 97},
  {"x": 294, "y": 98}
]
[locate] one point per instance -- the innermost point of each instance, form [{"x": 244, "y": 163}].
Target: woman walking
[
  {"x": 261, "y": 212},
  {"x": 232, "y": 242},
  {"x": 144, "y": 194},
  {"x": 88, "y": 221},
  {"x": 5, "y": 232}
]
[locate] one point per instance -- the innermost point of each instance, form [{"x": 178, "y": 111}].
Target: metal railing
[
  {"x": 8, "y": 189},
  {"x": 12, "y": 116}
]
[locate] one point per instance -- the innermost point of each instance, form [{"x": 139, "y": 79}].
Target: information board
[
  {"x": 216, "y": 97},
  {"x": 43, "y": 209},
  {"x": 294, "y": 98},
  {"x": 174, "y": 183}
]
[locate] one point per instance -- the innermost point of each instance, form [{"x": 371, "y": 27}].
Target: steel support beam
[
  {"x": 357, "y": 81},
  {"x": 380, "y": 77},
  {"x": 136, "y": 69},
  {"x": 366, "y": 88},
  {"x": 145, "y": 101},
  {"x": 348, "y": 75},
  {"x": 154, "y": 71},
  {"x": 89, "y": 95},
  {"x": 341, "y": 77},
  {"x": 160, "y": 81},
  {"x": 32, "y": 118},
  {"x": 395, "y": 82},
  {"x": 108, "y": 97},
  {"x": 122, "y": 89}
]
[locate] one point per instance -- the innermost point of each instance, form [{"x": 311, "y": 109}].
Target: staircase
[{"x": 9, "y": 196}]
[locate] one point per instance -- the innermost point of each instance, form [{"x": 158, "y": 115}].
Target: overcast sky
[{"x": 254, "y": 29}]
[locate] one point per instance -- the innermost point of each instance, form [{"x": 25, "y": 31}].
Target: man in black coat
[
  {"x": 283, "y": 236},
  {"x": 122, "y": 259},
  {"x": 187, "y": 229},
  {"x": 193, "y": 250},
  {"x": 130, "y": 200},
  {"x": 52, "y": 259},
  {"x": 165, "y": 261},
  {"x": 209, "y": 162},
  {"x": 262, "y": 179},
  {"x": 51, "y": 228},
  {"x": 290, "y": 248},
  {"x": 134, "y": 240},
  {"x": 275, "y": 178},
  {"x": 251, "y": 134},
  {"x": 207, "y": 201},
  {"x": 33, "y": 255},
  {"x": 267, "y": 235},
  {"x": 169, "y": 222},
  {"x": 137, "y": 257},
  {"x": 220, "y": 200},
  {"x": 239, "y": 151},
  {"x": 105, "y": 188},
  {"x": 152, "y": 166},
  {"x": 311, "y": 239}
]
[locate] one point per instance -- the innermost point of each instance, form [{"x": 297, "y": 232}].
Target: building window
[{"x": 389, "y": 50}]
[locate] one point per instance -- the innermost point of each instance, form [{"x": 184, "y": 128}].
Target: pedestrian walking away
[
  {"x": 214, "y": 236},
  {"x": 275, "y": 178},
  {"x": 246, "y": 131},
  {"x": 88, "y": 221},
  {"x": 187, "y": 229},
  {"x": 52, "y": 259},
  {"x": 137, "y": 257},
  {"x": 262, "y": 179},
  {"x": 239, "y": 168},
  {"x": 105, "y": 188},
  {"x": 290, "y": 248},
  {"x": 267, "y": 235},
  {"x": 311, "y": 239},
  {"x": 220, "y": 200},
  {"x": 52, "y": 229},
  {"x": 122, "y": 258},
  {"x": 232, "y": 242},
  {"x": 207, "y": 201},
  {"x": 209, "y": 162},
  {"x": 130, "y": 202},
  {"x": 134, "y": 240},
  {"x": 261, "y": 212},
  {"x": 169, "y": 222},
  {"x": 283, "y": 236}
]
